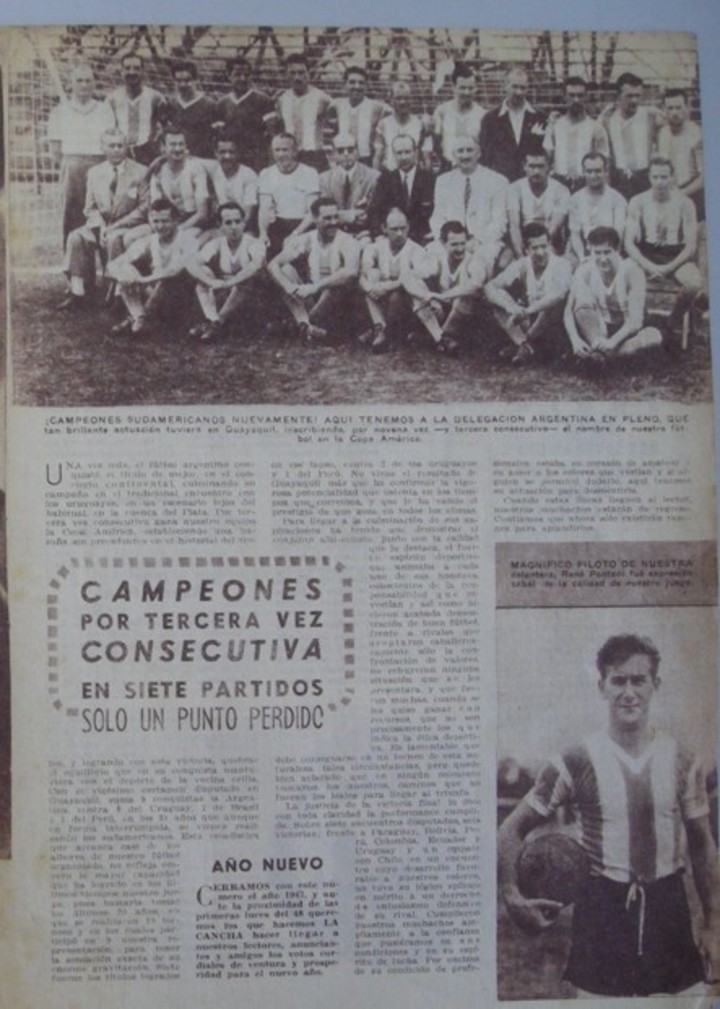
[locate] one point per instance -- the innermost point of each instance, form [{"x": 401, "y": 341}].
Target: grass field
[{"x": 62, "y": 360}]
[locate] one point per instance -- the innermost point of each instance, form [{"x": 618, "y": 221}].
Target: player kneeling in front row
[
  {"x": 226, "y": 269},
  {"x": 317, "y": 273},
  {"x": 605, "y": 312},
  {"x": 151, "y": 273},
  {"x": 447, "y": 291},
  {"x": 529, "y": 296},
  {"x": 385, "y": 265}
]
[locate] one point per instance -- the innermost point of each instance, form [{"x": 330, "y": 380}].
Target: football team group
[{"x": 346, "y": 217}]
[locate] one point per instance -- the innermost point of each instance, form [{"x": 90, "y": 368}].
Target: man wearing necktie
[
  {"x": 116, "y": 200},
  {"x": 408, "y": 187},
  {"x": 475, "y": 196},
  {"x": 350, "y": 184}
]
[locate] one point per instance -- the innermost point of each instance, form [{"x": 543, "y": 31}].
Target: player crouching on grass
[
  {"x": 605, "y": 312},
  {"x": 642, "y": 807},
  {"x": 447, "y": 293},
  {"x": 317, "y": 273},
  {"x": 529, "y": 295},
  {"x": 385, "y": 264},
  {"x": 226, "y": 269},
  {"x": 151, "y": 273}
]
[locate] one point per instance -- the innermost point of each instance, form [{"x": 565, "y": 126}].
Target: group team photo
[{"x": 286, "y": 209}]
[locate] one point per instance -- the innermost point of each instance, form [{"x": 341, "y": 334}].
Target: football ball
[{"x": 552, "y": 866}]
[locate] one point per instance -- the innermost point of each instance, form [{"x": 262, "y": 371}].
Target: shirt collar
[
  {"x": 505, "y": 109},
  {"x": 83, "y": 109},
  {"x": 186, "y": 105}
]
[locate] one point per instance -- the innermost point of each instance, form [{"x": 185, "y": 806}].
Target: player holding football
[{"x": 643, "y": 810}]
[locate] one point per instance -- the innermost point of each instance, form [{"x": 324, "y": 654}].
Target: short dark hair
[
  {"x": 355, "y": 70},
  {"x": 226, "y": 137},
  {"x": 172, "y": 129},
  {"x": 297, "y": 58},
  {"x": 576, "y": 80},
  {"x": 593, "y": 155},
  {"x": 627, "y": 78},
  {"x": 404, "y": 136},
  {"x": 537, "y": 152},
  {"x": 461, "y": 70},
  {"x": 452, "y": 228},
  {"x": 159, "y": 206},
  {"x": 230, "y": 205},
  {"x": 285, "y": 136},
  {"x": 662, "y": 162},
  {"x": 394, "y": 210},
  {"x": 534, "y": 229},
  {"x": 184, "y": 66},
  {"x": 676, "y": 93},
  {"x": 322, "y": 201},
  {"x": 237, "y": 61},
  {"x": 621, "y": 647},
  {"x": 604, "y": 236},
  {"x": 132, "y": 56}
]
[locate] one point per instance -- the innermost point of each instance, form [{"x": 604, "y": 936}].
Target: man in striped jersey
[
  {"x": 642, "y": 809},
  {"x": 384, "y": 266},
  {"x": 226, "y": 269},
  {"x": 317, "y": 274}
]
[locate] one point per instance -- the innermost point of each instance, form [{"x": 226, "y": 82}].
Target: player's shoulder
[
  {"x": 246, "y": 172},
  {"x": 489, "y": 178},
  {"x": 135, "y": 169},
  {"x": 367, "y": 171},
  {"x": 268, "y": 174},
  {"x": 307, "y": 175},
  {"x": 558, "y": 188},
  {"x": 210, "y": 249},
  {"x": 639, "y": 201}
]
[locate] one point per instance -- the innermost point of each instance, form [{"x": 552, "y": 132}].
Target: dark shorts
[
  {"x": 636, "y": 947},
  {"x": 660, "y": 254}
]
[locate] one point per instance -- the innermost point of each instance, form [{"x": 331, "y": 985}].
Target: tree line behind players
[{"x": 532, "y": 219}]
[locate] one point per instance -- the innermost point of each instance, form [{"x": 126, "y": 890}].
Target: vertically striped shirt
[{"x": 631, "y": 809}]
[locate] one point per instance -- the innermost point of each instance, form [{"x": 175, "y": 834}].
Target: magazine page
[{"x": 361, "y": 563}]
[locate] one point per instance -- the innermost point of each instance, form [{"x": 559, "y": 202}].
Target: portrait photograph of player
[
  {"x": 608, "y": 878},
  {"x": 605, "y": 155}
]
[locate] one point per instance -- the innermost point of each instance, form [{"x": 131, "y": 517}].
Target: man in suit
[
  {"x": 476, "y": 197},
  {"x": 350, "y": 184},
  {"x": 408, "y": 187},
  {"x": 116, "y": 200},
  {"x": 512, "y": 129}
]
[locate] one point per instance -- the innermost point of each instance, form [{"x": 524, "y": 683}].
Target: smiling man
[
  {"x": 140, "y": 111},
  {"x": 642, "y": 809},
  {"x": 317, "y": 274}
]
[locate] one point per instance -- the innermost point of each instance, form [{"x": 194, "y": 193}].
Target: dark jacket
[
  {"x": 498, "y": 148},
  {"x": 389, "y": 192}
]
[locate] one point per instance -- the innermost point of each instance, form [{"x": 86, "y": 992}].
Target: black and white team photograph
[{"x": 321, "y": 216}]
